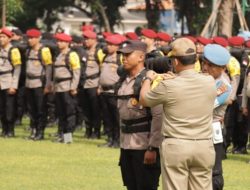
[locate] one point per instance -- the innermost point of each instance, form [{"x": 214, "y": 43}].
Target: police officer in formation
[
  {"x": 10, "y": 68},
  {"x": 38, "y": 82}
]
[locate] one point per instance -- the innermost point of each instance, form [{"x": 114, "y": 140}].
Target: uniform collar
[{"x": 187, "y": 72}]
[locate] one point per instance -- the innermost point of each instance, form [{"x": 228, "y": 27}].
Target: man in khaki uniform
[
  {"x": 10, "y": 68},
  {"x": 108, "y": 79},
  {"x": 140, "y": 126},
  {"x": 37, "y": 83},
  {"x": 66, "y": 78},
  {"x": 91, "y": 102},
  {"x": 187, "y": 153}
]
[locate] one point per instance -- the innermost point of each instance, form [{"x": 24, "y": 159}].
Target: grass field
[{"x": 28, "y": 165}]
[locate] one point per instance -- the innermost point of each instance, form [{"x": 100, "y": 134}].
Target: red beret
[
  {"x": 204, "y": 41},
  {"x": 6, "y": 31},
  {"x": 164, "y": 36},
  {"x": 63, "y": 37},
  {"x": 87, "y": 27},
  {"x": 131, "y": 35},
  {"x": 149, "y": 33},
  {"x": 220, "y": 40},
  {"x": 89, "y": 34},
  {"x": 106, "y": 34},
  {"x": 114, "y": 39},
  {"x": 193, "y": 39},
  {"x": 247, "y": 43},
  {"x": 33, "y": 33},
  {"x": 236, "y": 41}
]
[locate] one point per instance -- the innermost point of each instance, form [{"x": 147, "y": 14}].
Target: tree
[
  {"x": 196, "y": 13},
  {"x": 13, "y": 8},
  {"x": 153, "y": 13},
  {"x": 103, "y": 12}
]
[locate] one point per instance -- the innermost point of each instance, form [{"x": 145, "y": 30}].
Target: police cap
[
  {"x": 216, "y": 54},
  {"x": 133, "y": 45}
]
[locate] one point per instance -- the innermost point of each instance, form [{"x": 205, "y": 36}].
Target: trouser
[
  {"x": 79, "y": 107},
  {"x": 187, "y": 164},
  {"x": 91, "y": 110},
  {"x": 218, "y": 181},
  {"x": 21, "y": 102},
  {"x": 135, "y": 174},
  {"x": 7, "y": 112},
  {"x": 37, "y": 109},
  {"x": 51, "y": 108},
  {"x": 66, "y": 112},
  {"x": 110, "y": 115},
  {"x": 236, "y": 126}
]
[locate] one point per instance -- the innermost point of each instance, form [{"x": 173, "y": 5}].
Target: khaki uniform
[
  {"x": 108, "y": 75},
  {"x": 92, "y": 70},
  {"x": 131, "y": 109},
  {"x": 9, "y": 80},
  {"x": 10, "y": 68},
  {"x": 61, "y": 72},
  {"x": 187, "y": 151},
  {"x": 36, "y": 68}
]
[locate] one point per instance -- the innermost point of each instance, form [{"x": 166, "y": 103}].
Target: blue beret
[{"x": 216, "y": 54}]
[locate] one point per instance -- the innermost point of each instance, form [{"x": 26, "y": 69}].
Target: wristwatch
[{"x": 151, "y": 148}]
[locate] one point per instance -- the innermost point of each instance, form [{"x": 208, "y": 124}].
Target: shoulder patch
[
  {"x": 74, "y": 60},
  {"x": 15, "y": 56},
  {"x": 46, "y": 56}
]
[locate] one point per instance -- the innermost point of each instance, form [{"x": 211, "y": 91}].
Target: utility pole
[{"x": 3, "y": 13}]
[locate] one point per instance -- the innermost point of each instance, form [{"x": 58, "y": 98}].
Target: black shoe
[
  {"x": 240, "y": 151},
  {"x": 38, "y": 137},
  {"x": 10, "y": 134},
  {"x": 108, "y": 144},
  {"x": 116, "y": 144}
]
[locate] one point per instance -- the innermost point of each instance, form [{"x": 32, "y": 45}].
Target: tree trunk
[
  {"x": 104, "y": 16},
  {"x": 152, "y": 14},
  {"x": 225, "y": 17}
]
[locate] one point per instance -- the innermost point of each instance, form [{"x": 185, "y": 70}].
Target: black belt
[
  {"x": 136, "y": 121},
  {"x": 94, "y": 76},
  {"x": 110, "y": 87},
  {"x": 135, "y": 129},
  {"x": 125, "y": 97},
  {"x": 5, "y": 72},
  {"x": 58, "y": 80},
  {"x": 203, "y": 139},
  {"x": 34, "y": 77}
]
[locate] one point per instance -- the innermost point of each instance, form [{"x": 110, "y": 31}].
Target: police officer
[
  {"x": 10, "y": 68},
  {"x": 66, "y": 78},
  {"x": 108, "y": 78},
  {"x": 187, "y": 152},
  {"x": 91, "y": 99},
  {"x": 18, "y": 41},
  {"x": 215, "y": 59},
  {"x": 140, "y": 126},
  {"x": 38, "y": 82},
  {"x": 77, "y": 46}
]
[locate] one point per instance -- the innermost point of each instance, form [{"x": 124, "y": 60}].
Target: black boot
[
  {"x": 39, "y": 135},
  {"x": 88, "y": 133},
  {"x": 11, "y": 132},
  {"x": 32, "y": 134}
]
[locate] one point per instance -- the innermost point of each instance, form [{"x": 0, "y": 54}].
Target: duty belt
[
  {"x": 110, "y": 87},
  {"x": 35, "y": 77},
  {"x": 58, "y": 80},
  {"x": 135, "y": 129},
  {"x": 202, "y": 139},
  {"x": 94, "y": 76},
  {"x": 129, "y": 126},
  {"x": 5, "y": 72},
  {"x": 125, "y": 97}
]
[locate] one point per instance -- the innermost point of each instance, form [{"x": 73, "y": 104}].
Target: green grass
[{"x": 28, "y": 165}]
